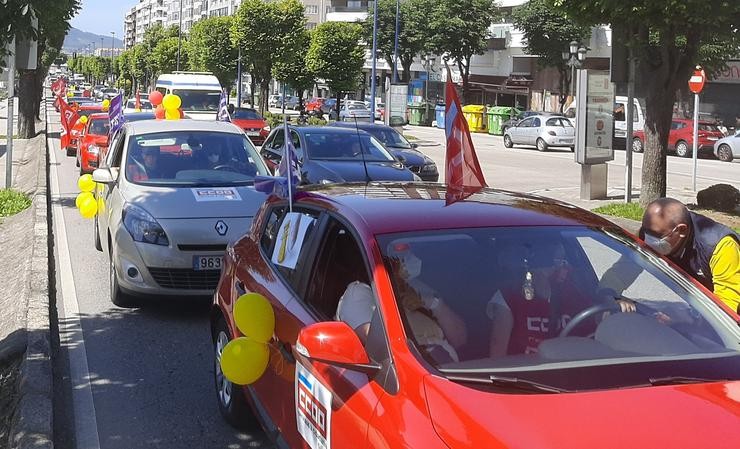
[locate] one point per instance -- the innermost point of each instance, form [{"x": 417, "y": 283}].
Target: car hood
[
  {"x": 246, "y": 123},
  {"x": 728, "y": 140},
  {"x": 410, "y": 157},
  {"x": 180, "y": 202},
  {"x": 685, "y": 416},
  {"x": 354, "y": 171}
]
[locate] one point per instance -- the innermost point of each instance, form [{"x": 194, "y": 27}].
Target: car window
[
  {"x": 676, "y": 125},
  {"x": 526, "y": 123},
  {"x": 532, "y": 299},
  {"x": 345, "y": 146},
  {"x": 114, "y": 155},
  {"x": 556, "y": 122},
  {"x": 192, "y": 158},
  {"x": 99, "y": 127},
  {"x": 708, "y": 127},
  {"x": 198, "y": 100},
  {"x": 297, "y": 144},
  {"x": 619, "y": 112},
  {"x": 388, "y": 137},
  {"x": 536, "y": 123}
]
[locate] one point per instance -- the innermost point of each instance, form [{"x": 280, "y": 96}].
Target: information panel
[{"x": 595, "y": 103}]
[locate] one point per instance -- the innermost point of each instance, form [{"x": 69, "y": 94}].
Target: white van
[
  {"x": 199, "y": 92},
  {"x": 620, "y": 113}
]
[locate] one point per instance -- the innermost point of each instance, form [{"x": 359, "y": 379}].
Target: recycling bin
[
  {"x": 497, "y": 116},
  {"x": 475, "y": 116},
  {"x": 439, "y": 115},
  {"x": 416, "y": 114}
]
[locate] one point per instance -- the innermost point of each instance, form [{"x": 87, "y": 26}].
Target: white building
[
  {"x": 220, "y": 8},
  {"x": 145, "y": 14},
  {"x": 192, "y": 11}
]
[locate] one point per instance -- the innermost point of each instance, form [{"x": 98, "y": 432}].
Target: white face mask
[
  {"x": 412, "y": 265},
  {"x": 213, "y": 158},
  {"x": 661, "y": 246}
]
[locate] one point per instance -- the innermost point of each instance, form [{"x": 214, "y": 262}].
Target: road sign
[{"x": 697, "y": 80}]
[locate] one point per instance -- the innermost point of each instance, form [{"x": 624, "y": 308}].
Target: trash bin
[
  {"x": 475, "y": 116},
  {"x": 439, "y": 115},
  {"x": 497, "y": 116},
  {"x": 416, "y": 114}
]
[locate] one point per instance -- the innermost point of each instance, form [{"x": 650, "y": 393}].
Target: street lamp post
[
  {"x": 373, "y": 84},
  {"x": 395, "y": 43},
  {"x": 574, "y": 58},
  {"x": 112, "y": 44},
  {"x": 179, "y": 37}
]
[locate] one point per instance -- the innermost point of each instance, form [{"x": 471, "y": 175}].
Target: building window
[
  {"x": 312, "y": 9},
  {"x": 310, "y": 26},
  {"x": 354, "y": 4}
]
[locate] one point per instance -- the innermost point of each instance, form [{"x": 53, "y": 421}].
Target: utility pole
[
  {"x": 11, "y": 94},
  {"x": 373, "y": 85},
  {"x": 630, "y": 127},
  {"x": 179, "y": 37},
  {"x": 395, "y": 44}
]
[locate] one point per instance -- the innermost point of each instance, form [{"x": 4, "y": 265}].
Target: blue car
[
  {"x": 332, "y": 154},
  {"x": 402, "y": 149}
]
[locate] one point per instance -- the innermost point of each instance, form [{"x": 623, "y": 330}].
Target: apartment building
[{"x": 142, "y": 16}]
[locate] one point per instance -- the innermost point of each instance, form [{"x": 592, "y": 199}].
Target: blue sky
[{"x": 102, "y": 16}]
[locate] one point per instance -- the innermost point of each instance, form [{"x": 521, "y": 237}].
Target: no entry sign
[{"x": 696, "y": 82}]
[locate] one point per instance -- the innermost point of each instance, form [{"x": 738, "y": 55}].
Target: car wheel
[
  {"x": 507, "y": 141},
  {"x": 724, "y": 153},
  {"x": 637, "y": 145},
  {"x": 117, "y": 296},
  {"x": 682, "y": 149},
  {"x": 541, "y": 145},
  {"x": 71, "y": 151},
  {"x": 231, "y": 401},
  {"x": 96, "y": 234}
]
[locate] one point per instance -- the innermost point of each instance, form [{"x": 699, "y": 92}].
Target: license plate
[
  {"x": 203, "y": 263},
  {"x": 253, "y": 133},
  {"x": 566, "y": 140}
]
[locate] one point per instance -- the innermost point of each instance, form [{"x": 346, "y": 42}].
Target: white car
[
  {"x": 175, "y": 193},
  {"x": 542, "y": 131},
  {"x": 130, "y": 105},
  {"x": 355, "y": 110}
]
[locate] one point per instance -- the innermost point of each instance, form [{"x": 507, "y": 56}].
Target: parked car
[
  {"x": 274, "y": 100},
  {"x": 330, "y": 154},
  {"x": 130, "y": 105},
  {"x": 405, "y": 151},
  {"x": 92, "y": 142},
  {"x": 313, "y": 107},
  {"x": 329, "y": 105},
  {"x": 518, "y": 118},
  {"x": 176, "y": 192},
  {"x": 450, "y": 347},
  {"x": 354, "y": 110},
  {"x": 728, "y": 148},
  {"x": 619, "y": 115},
  {"x": 542, "y": 131},
  {"x": 681, "y": 137},
  {"x": 108, "y": 93},
  {"x": 253, "y": 124}
]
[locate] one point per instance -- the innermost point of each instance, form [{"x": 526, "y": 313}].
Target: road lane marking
[{"x": 72, "y": 339}]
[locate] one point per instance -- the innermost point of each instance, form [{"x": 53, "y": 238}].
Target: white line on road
[{"x": 71, "y": 336}]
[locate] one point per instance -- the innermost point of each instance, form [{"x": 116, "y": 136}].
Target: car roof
[
  {"x": 98, "y": 116},
  {"x": 390, "y": 207},
  {"x": 154, "y": 126},
  {"x": 321, "y": 129}
]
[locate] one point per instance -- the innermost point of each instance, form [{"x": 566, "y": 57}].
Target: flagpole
[{"x": 286, "y": 158}]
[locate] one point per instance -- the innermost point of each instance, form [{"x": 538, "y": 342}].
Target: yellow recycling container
[{"x": 475, "y": 115}]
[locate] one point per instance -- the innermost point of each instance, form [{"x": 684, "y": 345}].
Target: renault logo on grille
[{"x": 221, "y": 227}]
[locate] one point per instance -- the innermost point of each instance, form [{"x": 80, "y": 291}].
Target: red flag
[
  {"x": 58, "y": 87},
  {"x": 463, "y": 175},
  {"x": 68, "y": 117},
  {"x": 137, "y": 106}
]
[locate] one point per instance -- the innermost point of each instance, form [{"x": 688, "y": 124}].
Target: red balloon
[
  {"x": 159, "y": 111},
  {"x": 155, "y": 98}
]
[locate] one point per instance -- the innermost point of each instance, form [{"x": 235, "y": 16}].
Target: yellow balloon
[
  {"x": 171, "y": 114},
  {"x": 171, "y": 102},
  {"x": 86, "y": 183},
  {"x": 254, "y": 317},
  {"x": 89, "y": 208},
  {"x": 83, "y": 120},
  {"x": 106, "y": 104},
  {"x": 82, "y": 197},
  {"x": 70, "y": 94},
  {"x": 243, "y": 361}
]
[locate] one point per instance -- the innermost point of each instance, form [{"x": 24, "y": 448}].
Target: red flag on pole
[
  {"x": 463, "y": 175},
  {"x": 68, "y": 117}
]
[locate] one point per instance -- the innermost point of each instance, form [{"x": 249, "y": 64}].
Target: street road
[
  {"x": 125, "y": 378},
  {"x": 555, "y": 174}
]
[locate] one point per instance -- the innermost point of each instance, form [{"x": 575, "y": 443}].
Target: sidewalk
[{"x": 25, "y": 354}]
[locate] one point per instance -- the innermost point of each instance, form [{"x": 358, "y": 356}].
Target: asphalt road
[{"x": 125, "y": 378}]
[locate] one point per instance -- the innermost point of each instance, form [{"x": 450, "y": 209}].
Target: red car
[
  {"x": 253, "y": 124},
  {"x": 681, "y": 137},
  {"x": 92, "y": 142},
  {"x": 84, "y": 110},
  {"x": 314, "y": 105},
  {"x": 494, "y": 322}
]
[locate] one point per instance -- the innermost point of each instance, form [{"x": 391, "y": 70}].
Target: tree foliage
[
  {"x": 547, "y": 33},
  {"x": 667, "y": 39},
  {"x": 211, "y": 49},
  {"x": 337, "y": 55},
  {"x": 293, "y": 71},
  {"x": 163, "y": 57}
]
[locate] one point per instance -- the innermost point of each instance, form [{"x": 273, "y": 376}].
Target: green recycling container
[
  {"x": 475, "y": 116},
  {"x": 416, "y": 114},
  {"x": 497, "y": 115}
]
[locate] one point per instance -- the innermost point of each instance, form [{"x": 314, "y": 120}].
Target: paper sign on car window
[
  {"x": 216, "y": 194},
  {"x": 290, "y": 239},
  {"x": 312, "y": 409}
]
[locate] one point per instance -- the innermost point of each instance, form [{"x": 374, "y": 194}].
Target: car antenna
[{"x": 362, "y": 152}]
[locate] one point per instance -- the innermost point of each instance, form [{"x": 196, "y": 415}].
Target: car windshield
[
  {"x": 198, "y": 100},
  {"x": 389, "y": 137},
  {"x": 535, "y": 302},
  {"x": 131, "y": 104},
  {"x": 357, "y": 106},
  {"x": 345, "y": 146},
  {"x": 247, "y": 114},
  {"x": 192, "y": 158},
  {"x": 99, "y": 127}
]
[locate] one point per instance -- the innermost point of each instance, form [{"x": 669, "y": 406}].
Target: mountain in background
[{"x": 78, "y": 41}]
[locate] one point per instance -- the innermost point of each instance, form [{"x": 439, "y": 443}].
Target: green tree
[
  {"x": 337, "y": 55},
  {"x": 667, "y": 39},
  {"x": 291, "y": 67},
  {"x": 547, "y": 32},
  {"x": 459, "y": 28},
  {"x": 163, "y": 57},
  {"x": 413, "y": 32},
  {"x": 210, "y": 49}
]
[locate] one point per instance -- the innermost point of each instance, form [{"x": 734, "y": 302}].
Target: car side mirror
[
  {"x": 414, "y": 145},
  {"x": 103, "y": 176},
  {"x": 336, "y": 344}
]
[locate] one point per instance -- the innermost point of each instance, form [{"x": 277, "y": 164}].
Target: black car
[
  {"x": 332, "y": 154},
  {"x": 521, "y": 116},
  {"x": 402, "y": 149}
]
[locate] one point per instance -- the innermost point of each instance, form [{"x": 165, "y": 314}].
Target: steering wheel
[
  {"x": 588, "y": 313},
  {"x": 227, "y": 167}
]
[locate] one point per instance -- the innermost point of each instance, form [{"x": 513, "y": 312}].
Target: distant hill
[{"x": 78, "y": 40}]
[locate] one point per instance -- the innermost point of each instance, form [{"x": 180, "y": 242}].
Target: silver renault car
[
  {"x": 173, "y": 194},
  {"x": 542, "y": 131}
]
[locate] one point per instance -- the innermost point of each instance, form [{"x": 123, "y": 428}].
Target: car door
[
  {"x": 533, "y": 131},
  {"x": 518, "y": 132},
  {"x": 329, "y": 267},
  {"x": 113, "y": 160}
]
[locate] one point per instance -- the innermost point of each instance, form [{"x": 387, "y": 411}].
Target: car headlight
[
  {"x": 93, "y": 149},
  {"x": 143, "y": 227},
  {"x": 429, "y": 168}
]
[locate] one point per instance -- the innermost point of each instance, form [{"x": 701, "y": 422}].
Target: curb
[{"x": 32, "y": 422}]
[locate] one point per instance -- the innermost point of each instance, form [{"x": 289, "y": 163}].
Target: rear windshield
[
  {"x": 145, "y": 105},
  {"x": 198, "y": 100},
  {"x": 564, "y": 122},
  {"x": 99, "y": 127},
  {"x": 247, "y": 114},
  {"x": 388, "y": 137},
  {"x": 192, "y": 158}
]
